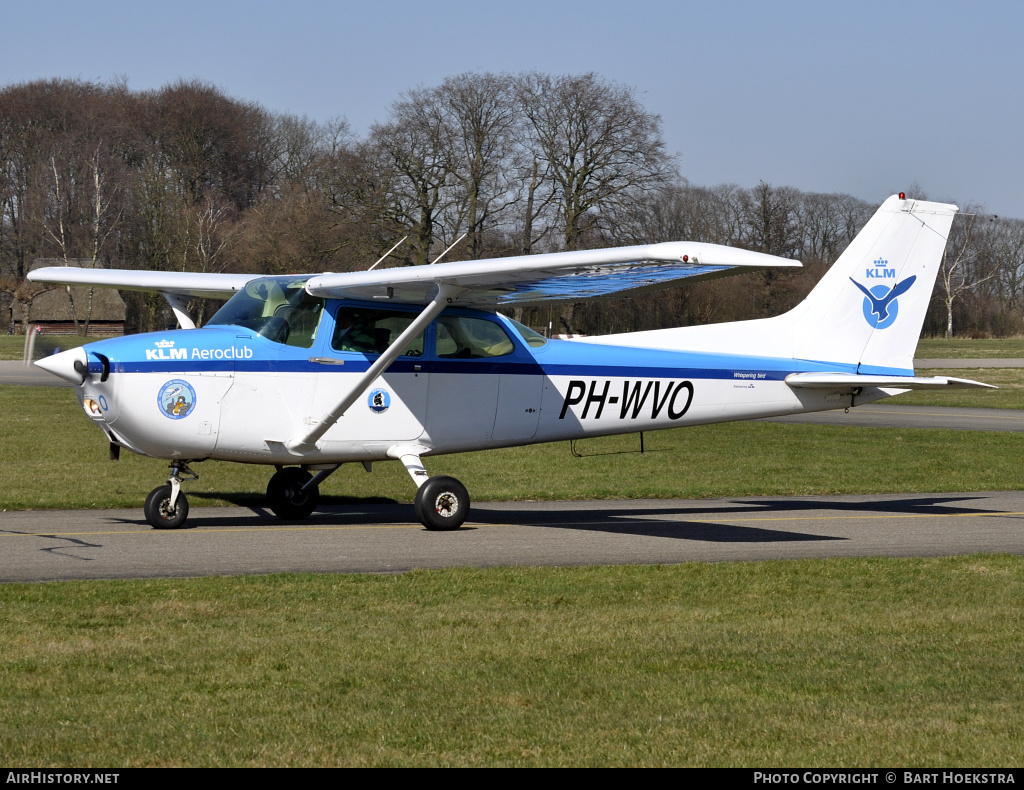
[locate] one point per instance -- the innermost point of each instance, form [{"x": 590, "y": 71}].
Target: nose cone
[{"x": 71, "y": 365}]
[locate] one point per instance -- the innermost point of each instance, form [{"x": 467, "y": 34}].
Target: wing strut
[
  {"x": 179, "y": 304},
  {"x": 446, "y": 293}
]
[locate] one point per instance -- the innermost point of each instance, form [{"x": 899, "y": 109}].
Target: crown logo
[
  {"x": 164, "y": 344},
  {"x": 880, "y": 262}
]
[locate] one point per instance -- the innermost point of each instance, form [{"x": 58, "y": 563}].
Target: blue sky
[{"x": 868, "y": 98}]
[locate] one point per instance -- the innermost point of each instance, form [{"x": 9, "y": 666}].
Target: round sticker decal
[
  {"x": 177, "y": 399},
  {"x": 379, "y": 401}
]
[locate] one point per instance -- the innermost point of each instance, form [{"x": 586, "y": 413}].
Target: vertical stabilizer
[{"x": 870, "y": 306}]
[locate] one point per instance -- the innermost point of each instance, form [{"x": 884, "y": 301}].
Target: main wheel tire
[
  {"x": 285, "y": 497},
  {"x": 158, "y": 509},
  {"x": 442, "y": 503}
]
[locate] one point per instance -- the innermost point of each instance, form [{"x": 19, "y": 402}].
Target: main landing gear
[
  {"x": 293, "y": 493},
  {"x": 442, "y": 503}
]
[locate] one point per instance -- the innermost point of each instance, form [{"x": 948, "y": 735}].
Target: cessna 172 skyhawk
[{"x": 306, "y": 373}]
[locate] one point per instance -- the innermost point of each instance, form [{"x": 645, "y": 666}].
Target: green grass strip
[
  {"x": 855, "y": 662},
  {"x": 963, "y": 348},
  {"x": 13, "y": 346},
  {"x": 1010, "y": 394}
]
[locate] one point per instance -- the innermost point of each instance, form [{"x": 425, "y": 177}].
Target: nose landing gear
[{"x": 166, "y": 507}]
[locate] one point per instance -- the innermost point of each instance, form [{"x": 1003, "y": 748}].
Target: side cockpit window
[
  {"x": 369, "y": 331},
  {"x": 461, "y": 337}
]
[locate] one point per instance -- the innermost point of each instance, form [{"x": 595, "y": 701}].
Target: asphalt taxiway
[{"x": 104, "y": 544}]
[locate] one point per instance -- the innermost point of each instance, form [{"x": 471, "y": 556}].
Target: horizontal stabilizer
[{"x": 854, "y": 380}]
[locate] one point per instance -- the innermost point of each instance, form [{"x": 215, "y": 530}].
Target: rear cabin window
[
  {"x": 532, "y": 337},
  {"x": 369, "y": 331},
  {"x": 460, "y": 337}
]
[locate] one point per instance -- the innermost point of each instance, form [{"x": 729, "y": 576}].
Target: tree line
[{"x": 187, "y": 178}]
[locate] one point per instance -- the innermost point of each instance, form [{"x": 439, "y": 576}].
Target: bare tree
[
  {"x": 25, "y": 122},
  {"x": 771, "y": 219},
  {"x": 205, "y": 233},
  {"x": 598, "y": 147},
  {"x": 828, "y": 223},
  {"x": 482, "y": 121},
  {"x": 207, "y": 140},
  {"x": 599, "y": 144},
  {"x": 539, "y": 198},
  {"x": 415, "y": 165},
  {"x": 959, "y": 271},
  {"x": 1006, "y": 246}
]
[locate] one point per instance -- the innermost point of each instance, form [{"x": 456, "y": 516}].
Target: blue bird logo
[{"x": 881, "y": 302}]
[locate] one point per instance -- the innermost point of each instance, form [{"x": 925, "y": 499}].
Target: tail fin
[{"x": 870, "y": 306}]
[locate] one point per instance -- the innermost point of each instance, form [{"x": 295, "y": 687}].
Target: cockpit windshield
[{"x": 278, "y": 308}]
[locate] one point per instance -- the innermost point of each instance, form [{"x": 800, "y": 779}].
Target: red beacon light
[
  {"x": 686, "y": 258},
  {"x": 903, "y": 195}
]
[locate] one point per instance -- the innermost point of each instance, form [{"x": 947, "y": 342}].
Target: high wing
[
  {"x": 519, "y": 280},
  {"x": 557, "y": 276},
  {"x": 199, "y": 284},
  {"x": 175, "y": 287}
]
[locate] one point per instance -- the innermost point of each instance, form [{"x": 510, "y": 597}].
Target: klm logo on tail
[
  {"x": 880, "y": 272},
  {"x": 880, "y": 305}
]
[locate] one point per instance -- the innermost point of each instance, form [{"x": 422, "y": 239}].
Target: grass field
[
  {"x": 12, "y": 347},
  {"x": 853, "y": 663},
  {"x": 1010, "y": 394},
  {"x": 962, "y": 348}
]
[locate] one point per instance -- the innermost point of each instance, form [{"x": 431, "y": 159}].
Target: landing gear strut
[{"x": 166, "y": 507}]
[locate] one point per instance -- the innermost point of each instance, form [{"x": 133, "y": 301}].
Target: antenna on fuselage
[
  {"x": 386, "y": 254},
  {"x": 439, "y": 257}
]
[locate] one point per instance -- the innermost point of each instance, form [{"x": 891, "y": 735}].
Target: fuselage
[{"x": 472, "y": 380}]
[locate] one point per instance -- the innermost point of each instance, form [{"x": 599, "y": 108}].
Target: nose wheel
[
  {"x": 161, "y": 513},
  {"x": 166, "y": 507}
]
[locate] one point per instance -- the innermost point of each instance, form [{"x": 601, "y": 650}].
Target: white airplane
[{"x": 306, "y": 373}]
